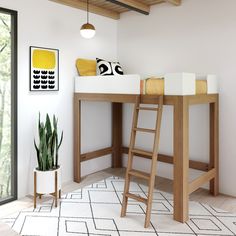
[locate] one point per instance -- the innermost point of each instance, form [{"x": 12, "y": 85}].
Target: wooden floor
[{"x": 222, "y": 201}]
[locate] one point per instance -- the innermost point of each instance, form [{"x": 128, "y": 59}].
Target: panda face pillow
[{"x": 108, "y": 68}]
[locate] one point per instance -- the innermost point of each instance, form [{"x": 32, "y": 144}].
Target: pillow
[
  {"x": 86, "y": 67},
  {"x": 108, "y": 68}
]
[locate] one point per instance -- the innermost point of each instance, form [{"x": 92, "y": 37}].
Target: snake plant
[{"x": 49, "y": 144}]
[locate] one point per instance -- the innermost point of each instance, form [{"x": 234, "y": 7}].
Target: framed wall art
[{"x": 44, "y": 69}]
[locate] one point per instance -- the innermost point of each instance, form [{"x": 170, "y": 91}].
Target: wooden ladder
[{"x": 153, "y": 155}]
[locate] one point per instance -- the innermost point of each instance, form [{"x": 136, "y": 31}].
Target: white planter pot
[{"x": 45, "y": 181}]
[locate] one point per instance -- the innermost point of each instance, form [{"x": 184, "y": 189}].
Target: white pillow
[{"x": 108, "y": 68}]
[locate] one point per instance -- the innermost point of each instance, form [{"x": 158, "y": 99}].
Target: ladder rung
[
  {"x": 148, "y": 108},
  {"x": 141, "y": 152},
  {"x": 137, "y": 198},
  {"x": 145, "y": 130},
  {"x": 139, "y": 174}
]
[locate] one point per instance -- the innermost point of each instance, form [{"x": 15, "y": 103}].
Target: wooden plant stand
[{"x": 56, "y": 194}]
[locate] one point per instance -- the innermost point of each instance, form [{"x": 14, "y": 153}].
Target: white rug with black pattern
[{"x": 95, "y": 210}]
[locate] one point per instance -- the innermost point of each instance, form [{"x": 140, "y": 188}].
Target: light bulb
[{"x": 87, "y": 31}]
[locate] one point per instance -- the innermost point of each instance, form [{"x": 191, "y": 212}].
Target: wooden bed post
[
  {"x": 117, "y": 135},
  {"x": 181, "y": 158},
  {"x": 214, "y": 145},
  {"x": 77, "y": 139}
]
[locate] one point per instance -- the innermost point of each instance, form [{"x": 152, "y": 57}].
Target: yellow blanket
[
  {"x": 156, "y": 86},
  {"x": 201, "y": 87}
]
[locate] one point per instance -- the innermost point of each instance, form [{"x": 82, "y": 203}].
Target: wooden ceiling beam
[
  {"x": 175, "y": 2},
  {"x": 133, "y": 5},
  {"x": 92, "y": 8}
]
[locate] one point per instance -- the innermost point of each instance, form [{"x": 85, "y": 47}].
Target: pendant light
[{"x": 87, "y": 30}]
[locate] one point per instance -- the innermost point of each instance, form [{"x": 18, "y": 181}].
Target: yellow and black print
[{"x": 44, "y": 69}]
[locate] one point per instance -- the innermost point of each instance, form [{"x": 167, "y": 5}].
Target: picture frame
[{"x": 44, "y": 69}]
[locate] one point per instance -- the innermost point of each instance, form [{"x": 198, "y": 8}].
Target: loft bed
[{"x": 182, "y": 188}]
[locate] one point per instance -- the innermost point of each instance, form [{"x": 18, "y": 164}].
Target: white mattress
[{"x": 118, "y": 84}]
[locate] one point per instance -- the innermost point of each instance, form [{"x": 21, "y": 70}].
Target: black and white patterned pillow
[{"x": 108, "y": 68}]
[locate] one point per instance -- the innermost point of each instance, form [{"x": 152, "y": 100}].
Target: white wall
[
  {"x": 47, "y": 24},
  {"x": 200, "y": 37}
]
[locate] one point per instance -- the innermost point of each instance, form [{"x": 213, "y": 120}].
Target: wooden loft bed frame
[{"x": 182, "y": 188}]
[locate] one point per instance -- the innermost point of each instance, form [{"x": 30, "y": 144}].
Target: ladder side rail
[
  {"x": 130, "y": 157},
  {"x": 154, "y": 163}
]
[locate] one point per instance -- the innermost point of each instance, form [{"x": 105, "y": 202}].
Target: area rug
[{"x": 95, "y": 210}]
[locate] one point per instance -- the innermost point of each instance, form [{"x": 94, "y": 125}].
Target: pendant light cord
[{"x": 87, "y": 11}]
